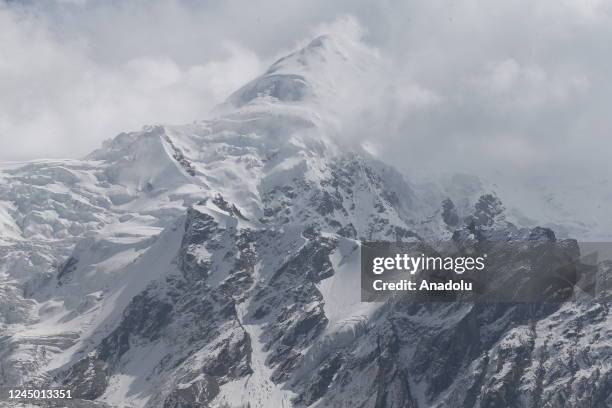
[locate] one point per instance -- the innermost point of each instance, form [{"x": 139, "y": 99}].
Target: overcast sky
[{"x": 509, "y": 86}]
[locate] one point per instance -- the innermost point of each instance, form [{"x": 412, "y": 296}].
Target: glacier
[{"x": 216, "y": 264}]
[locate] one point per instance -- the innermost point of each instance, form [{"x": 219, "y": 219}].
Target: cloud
[
  {"x": 517, "y": 88},
  {"x": 59, "y": 99},
  {"x": 509, "y": 88}
]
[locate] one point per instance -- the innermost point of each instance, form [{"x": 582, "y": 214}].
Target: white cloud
[
  {"x": 528, "y": 86},
  {"x": 58, "y": 99},
  {"x": 470, "y": 85}
]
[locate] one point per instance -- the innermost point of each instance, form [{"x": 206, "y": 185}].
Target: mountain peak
[
  {"x": 312, "y": 72},
  {"x": 317, "y": 51}
]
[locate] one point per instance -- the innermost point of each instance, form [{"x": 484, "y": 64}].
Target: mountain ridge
[{"x": 216, "y": 264}]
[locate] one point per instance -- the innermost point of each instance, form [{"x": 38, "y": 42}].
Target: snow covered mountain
[{"x": 217, "y": 264}]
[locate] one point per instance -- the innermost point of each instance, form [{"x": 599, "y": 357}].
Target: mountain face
[{"x": 216, "y": 264}]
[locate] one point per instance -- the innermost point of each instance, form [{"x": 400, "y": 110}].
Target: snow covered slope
[{"x": 217, "y": 264}]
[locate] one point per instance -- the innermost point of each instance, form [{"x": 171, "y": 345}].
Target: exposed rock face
[
  {"x": 487, "y": 209},
  {"x": 283, "y": 87},
  {"x": 217, "y": 264},
  {"x": 449, "y": 213},
  {"x": 196, "y": 392},
  {"x": 88, "y": 378}
]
